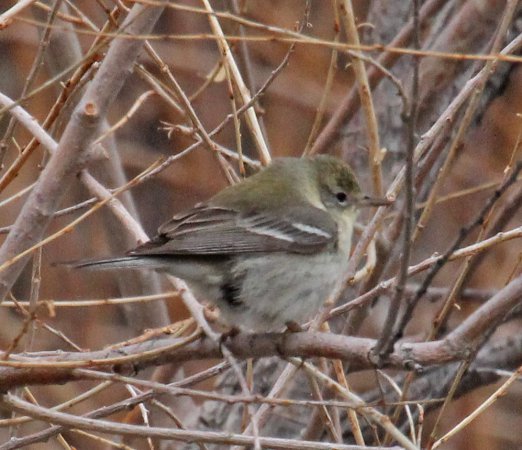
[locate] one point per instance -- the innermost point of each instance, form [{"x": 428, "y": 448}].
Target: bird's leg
[
  {"x": 291, "y": 327},
  {"x": 229, "y": 334}
]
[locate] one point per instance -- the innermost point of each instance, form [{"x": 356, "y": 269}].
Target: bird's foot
[
  {"x": 293, "y": 327},
  {"x": 231, "y": 333}
]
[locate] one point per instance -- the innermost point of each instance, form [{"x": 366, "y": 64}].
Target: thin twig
[
  {"x": 500, "y": 392},
  {"x": 412, "y": 303},
  {"x": 251, "y": 118},
  {"x": 225, "y": 438},
  {"x": 386, "y": 342},
  {"x": 375, "y": 156}
]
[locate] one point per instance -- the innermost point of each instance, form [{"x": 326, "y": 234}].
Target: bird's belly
[{"x": 276, "y": 289}]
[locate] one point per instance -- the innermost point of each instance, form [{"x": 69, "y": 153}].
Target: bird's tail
[{"x": 122, "y": 262}]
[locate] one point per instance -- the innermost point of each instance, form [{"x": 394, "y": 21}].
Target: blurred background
[{"x": 287, "y": 110}]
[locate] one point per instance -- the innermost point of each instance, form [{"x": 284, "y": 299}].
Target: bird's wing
[{"x": 213, "y": 230}]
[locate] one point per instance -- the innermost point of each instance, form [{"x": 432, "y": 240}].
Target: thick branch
[
  {"x": 75, "y": 143},
  {"x": 52, "y": 368}
]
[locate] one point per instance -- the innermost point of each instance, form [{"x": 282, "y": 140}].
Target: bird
[{"x": 267, "y": 251}]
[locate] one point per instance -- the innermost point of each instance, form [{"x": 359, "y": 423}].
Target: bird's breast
[{"x": 272, "y": 289}]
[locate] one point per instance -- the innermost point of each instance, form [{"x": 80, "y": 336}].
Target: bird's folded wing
[{"x": 212, "y": 230}]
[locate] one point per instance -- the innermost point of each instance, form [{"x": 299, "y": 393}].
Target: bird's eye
[{"x": 341, "y": 197}]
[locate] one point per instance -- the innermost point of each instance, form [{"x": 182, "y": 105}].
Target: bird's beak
[{"x": 366, "y": 200}]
